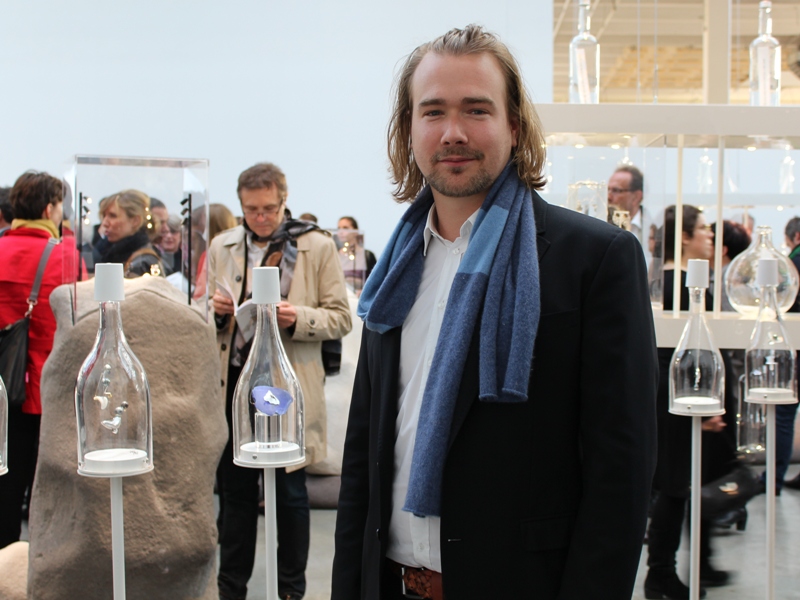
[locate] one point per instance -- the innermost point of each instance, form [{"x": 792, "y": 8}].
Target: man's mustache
[{"x": 460, "y": 152}]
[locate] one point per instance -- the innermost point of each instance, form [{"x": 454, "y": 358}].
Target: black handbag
[
  {"x": 14, "y": 341},
  {"x": 729, "y": 492}
]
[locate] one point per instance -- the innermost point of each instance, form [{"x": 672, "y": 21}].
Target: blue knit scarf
[{"x": 500, "y": 274}]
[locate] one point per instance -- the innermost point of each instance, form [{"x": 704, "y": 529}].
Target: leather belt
[{"x": 418, "y": 582}]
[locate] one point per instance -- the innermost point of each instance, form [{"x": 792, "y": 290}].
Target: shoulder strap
[
  {"x": 140, "y": 252},
  {"x": 37, "y": 282}
]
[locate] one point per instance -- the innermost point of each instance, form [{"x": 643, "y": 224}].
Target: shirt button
[
  {"x": 442, "y": 304},
  {"x": 313, "y": 322},
  {"x": 223, "y": 347},
  {"x": 421, "y": 547},
  {"x": 238, "y": 278},
  {"x": 456, "y": 251}
]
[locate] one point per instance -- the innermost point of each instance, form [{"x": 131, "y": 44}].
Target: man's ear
[{"x": 724, "y": 251}]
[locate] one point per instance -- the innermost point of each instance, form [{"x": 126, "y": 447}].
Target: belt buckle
[{"x": 406, "y": 593}]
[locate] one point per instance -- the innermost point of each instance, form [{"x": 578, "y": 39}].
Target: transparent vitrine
[
  {"x": 267, "y": 402},
  {"x": 112, "y": 396},
  {"x": 176, "y": 219},
  {"x": 3, "y": 429},
  {"x": 352, "y": 256}
]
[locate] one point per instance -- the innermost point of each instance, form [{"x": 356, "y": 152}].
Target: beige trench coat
[{"x": 323, "y": 313}]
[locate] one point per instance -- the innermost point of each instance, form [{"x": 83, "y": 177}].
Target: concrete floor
[{"x": 741, "y": 552}]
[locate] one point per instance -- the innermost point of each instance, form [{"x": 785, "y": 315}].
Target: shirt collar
[{"x": 430, "y": 229}]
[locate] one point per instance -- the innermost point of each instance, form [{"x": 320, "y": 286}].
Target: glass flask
[
  {"x": 589, "y": 197},
  {"x": 769, "y": 362},
  {"x": 267, "y": 401},
  {"x": 112, "y": 396},
  {"x": 696, "y": 374},
  {"x": 765, "y": 61},
  {"x": 3, "y": 428},
  {"x": 584, "y": 62},
  {"x": 751, "y": 429},
  {"x": 787, "y": 174},
  {"x": 743, "y": 291}
]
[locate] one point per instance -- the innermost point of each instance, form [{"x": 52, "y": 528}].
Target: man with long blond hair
[{"x": 501, "y": 435}]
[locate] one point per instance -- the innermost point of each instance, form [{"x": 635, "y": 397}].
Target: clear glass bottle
[
  {"x": 743, "y": 291},
  {"x": 769, "y": 362},
  {"x": 112, "y": 396},
  {"x": 787, "y": 173},
  {"x": 584, "y": 61},
  {"x": 3, "y": 428},
  {"x": 765, "y": 61},
  {"x": 267, "y": 401},
  {"x": 697, "y": 374}
]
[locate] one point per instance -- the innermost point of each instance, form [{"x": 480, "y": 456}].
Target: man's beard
[{"x": 478, "y": 183}]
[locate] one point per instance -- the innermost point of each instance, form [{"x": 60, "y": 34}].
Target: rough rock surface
[
  {"x": 13, "y": 571},
  {"x": 170, "y": 529}
]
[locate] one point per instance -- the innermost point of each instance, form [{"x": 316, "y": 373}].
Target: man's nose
[{"x": 454, "y": 132}]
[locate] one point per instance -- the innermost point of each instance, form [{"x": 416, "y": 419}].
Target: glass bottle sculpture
[
  {"x": 741, "y": 286},
  {"x": 697, "y": 374},
  {"x": 765, "y": 61},
  {"x": 3, "y": 428},
  {"x": 770, "y": 359},
  {"x": 112, "y": 396},
  {"x": 267, "y": 401},
  {"x": 584, "y": 61}
]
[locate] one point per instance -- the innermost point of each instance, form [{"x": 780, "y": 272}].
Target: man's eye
[
  {"x": 479, "y": 111},
  {"x": 432, "y": 113}
]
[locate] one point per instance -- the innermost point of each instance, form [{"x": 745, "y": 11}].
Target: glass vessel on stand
[
  {"x": 741, "y": 286},
  {"x": 267, "y": 401},
  {"x": 584, "y": 61},
  {"x": 3, "y": 428},
  {"x": 112, "y": 396},
  {"x": 589, "y": 198},
  {"x": 765, "y": 61},
  {"x": 770, "y": 369},
  {"x": 697, "y": 374}
]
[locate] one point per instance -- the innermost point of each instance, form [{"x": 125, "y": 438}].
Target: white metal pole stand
[
  {"x": 694, "y": 508},
  {"x": 271, "y": 533},
  {"x": 770, "y": 485},
  {"x": 117, "y": 538}
]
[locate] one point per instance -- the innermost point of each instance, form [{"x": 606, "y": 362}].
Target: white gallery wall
[{"x": 306, "y": 85}]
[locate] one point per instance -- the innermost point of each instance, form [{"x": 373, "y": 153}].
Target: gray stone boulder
[{"x": 170, "y": 528}]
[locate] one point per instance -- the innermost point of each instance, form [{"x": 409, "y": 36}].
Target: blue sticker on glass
[{"x": 270, "y": 400}]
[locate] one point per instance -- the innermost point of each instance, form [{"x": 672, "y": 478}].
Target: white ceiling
[{"x": 637, "y": 35}]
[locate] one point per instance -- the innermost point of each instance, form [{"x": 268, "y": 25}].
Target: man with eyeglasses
[
  {"x": 315, "y": 308},
  {"x": 626, "y": 192}
]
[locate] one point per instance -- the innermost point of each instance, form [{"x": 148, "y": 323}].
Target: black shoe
[
  {"x": 761, "y": 488},
  {"x": 792, "y": 484},
  {"x": 736, "y": 517},
  {"x": 666, "y": 587},
  {"x": 711, "y": 577}
]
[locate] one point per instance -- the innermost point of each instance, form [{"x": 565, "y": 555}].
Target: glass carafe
[
  {"x": 584, "y": 62},
  {"x": 765, "y": 61},
  {"x": 267, "y": 401},
  {"x": 743, "y": 291},
  {"x": 697, "y": 374},
  {"x": 112, "y": 396}
]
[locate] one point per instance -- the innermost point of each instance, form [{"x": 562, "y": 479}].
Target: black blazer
[{"x": 543, "y": 499}]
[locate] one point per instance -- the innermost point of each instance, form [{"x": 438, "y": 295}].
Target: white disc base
[
  {"x": 771, "y": 396},
  {"x": 115, "y": 462},
  {"x": 4, "y": 470},
  {"x": 252, "y": 454},
  {"x": 696, "y": 406}
]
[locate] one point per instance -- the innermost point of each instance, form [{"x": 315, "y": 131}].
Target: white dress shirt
[{"x": 414, "y": 541}]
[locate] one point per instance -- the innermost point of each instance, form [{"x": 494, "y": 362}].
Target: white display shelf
[{"x": 730, "y": 330}]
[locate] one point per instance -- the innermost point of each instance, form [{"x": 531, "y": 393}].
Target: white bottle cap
[
  {"x": 266, "y": 285},
  {"x": 109, "y": 283},
  {"x": 765, "y": 4},
  {"x": 697, "y": 273},
  {"x": 767, "y": 273}
]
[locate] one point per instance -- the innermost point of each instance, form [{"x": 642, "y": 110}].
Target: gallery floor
[{"x": 741, "y": 552}]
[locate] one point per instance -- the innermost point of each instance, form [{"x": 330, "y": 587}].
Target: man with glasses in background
[
  {"x": 314, "y": 309},
  {"x": 626, "y": 192}
]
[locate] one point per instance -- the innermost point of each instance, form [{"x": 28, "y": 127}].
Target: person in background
[
  {"x": 126, "y": 234},
  {"x": 308, "y": 217},
  {"x": 220, "y": 219},
  {"x": 170, "y": 246},
  {"x": 626, "y": 191},
  {"x": 6, "y": 211},
  {"x": 735, "y": 240},
  {"x": 350, "y": 224},
  {"x": 36, "y": 199},
  {"x": 315, "y": 309}
]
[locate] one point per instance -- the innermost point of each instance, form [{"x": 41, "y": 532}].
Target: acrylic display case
[
  {"x": 267, "y": 402},
  {"x": 177, "y": 224},
  {"x": 3, "y": 429},
  {"x": 112, "y": 396},
  {"x": 737, "y": 162}
]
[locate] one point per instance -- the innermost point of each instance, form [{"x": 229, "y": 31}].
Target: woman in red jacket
[{"x": 37, "y": 200}]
